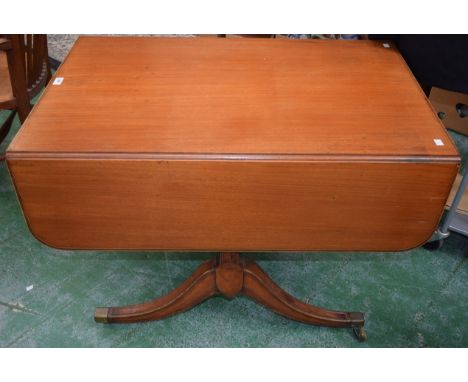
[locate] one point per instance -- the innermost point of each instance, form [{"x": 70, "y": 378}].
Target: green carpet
[{"x": 411, "y": 299}]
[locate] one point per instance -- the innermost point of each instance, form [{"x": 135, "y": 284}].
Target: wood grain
[
  {"x": 232, "y": 145},
  {"x": 233, "y": 96},
  {"x": 231, "y": 205}
]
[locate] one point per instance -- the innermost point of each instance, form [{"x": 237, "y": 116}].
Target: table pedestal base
[{"x": 229, "y": 274}]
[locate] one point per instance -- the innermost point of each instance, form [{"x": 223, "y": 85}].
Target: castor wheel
[
  {"x": 360, "y": 334},
  {"x": 433, "y": 245}
]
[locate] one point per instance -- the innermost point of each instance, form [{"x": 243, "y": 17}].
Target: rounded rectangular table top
[
  {"x": 234, "y": 145},
  {"x": 234, "y": 98}
]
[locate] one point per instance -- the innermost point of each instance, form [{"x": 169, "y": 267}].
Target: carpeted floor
[{"x": 47, "y": 297}]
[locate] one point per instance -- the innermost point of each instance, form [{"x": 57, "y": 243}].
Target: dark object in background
[
  {"x": 435, "y": 60},
  {"x": 452, "y": 109},
  {"x": 462, "y": 110},
  {"x": 53, "y": 63}
]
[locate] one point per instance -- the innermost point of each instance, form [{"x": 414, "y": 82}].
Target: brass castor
[{"x": 360, "y": 334}]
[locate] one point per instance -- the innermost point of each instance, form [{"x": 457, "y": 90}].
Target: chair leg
[
  {"x": 23, "y": 109},
  {"x": 5, "y": 129},
  {"x": 16, "y": 67}
]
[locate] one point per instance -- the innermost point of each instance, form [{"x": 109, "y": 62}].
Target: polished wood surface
[
  {"x": 234, "y": 96},
  {"x": 231, "y": 205},
  {"x": 234, "y": 145},
  {"x": 230, "y": 275}
]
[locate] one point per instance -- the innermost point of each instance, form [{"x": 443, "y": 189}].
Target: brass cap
[{"x": 100, "y": 315}]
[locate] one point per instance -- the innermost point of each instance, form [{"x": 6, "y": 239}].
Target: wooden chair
[{"x": 24, "y": 71}]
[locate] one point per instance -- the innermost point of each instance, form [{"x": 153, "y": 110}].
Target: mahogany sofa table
[{"x": 232, "y": 145}]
